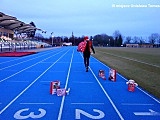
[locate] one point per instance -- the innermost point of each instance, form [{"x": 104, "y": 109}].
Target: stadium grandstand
[{"x": 15, "y": 34}]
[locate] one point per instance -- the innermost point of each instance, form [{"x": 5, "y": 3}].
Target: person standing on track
[{"x": 87, "y": 52}]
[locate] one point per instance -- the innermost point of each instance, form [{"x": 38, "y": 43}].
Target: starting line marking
[
  {"x": 83, "y": 82},
  {"x": 12, "y": 101},
  {"x": 10, "y": 70},
  {"x": 46, "y": 81},
  {"x": 110, "y": 100},
  {"x": 78, "y": 71},
  {"x": 135, "y": 104},
  {"x": 87, "y": 103},
  {"x": 127, "y": 80},
  {"x": 150, "y": 113},
  {"x": 112, "y": 103},
  {"x": 63, "y": 98},
  {"x": 55, "y": 71},
  {"x": 36, "y": 103},
  {"x": 34, "y": 71},
  {"x": 18, "y": 81}
]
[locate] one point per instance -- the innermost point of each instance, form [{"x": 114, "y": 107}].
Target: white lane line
[
  {"x": 37, "y": 103},
  {"x": 143, "y": 91},
  {"x": 12, "y": 60},
  {"x": 119, "y": 114},
  {"x": 63, "y": 98},
  {"x": 112, "y": 103},
  {"x": 136, "y": 104},
  {"x": 127, "y": 80},
  {"x": 21, "y": 62},
  {"x": 28, "y": 67},
  {"x": 21, "y": 58},
  {"x": 30, "y": 85},
  {"x": 87, "y": 103}
]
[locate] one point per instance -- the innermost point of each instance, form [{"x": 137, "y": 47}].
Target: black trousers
[{"x": 86, "y": 57}]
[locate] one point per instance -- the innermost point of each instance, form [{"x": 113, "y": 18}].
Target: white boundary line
[
  {"x": 27, "y": 68},
  {"x": 21, "y": 58},
  {"x": 63, "y": 98},
  {"x": 119, "y": 114},
  {"x": 23, "y": 62},
  {"x": 114, "y": 106},
  {"x": 142, "y": 90},
  {"x": 127, "y": 80},
  {"x": 30, "y": 85}
]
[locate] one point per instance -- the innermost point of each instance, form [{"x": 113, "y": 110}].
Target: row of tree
[
  {"x": 154, "y": 38},
  {"x": 98, "y": 40},
  {"x": 116, "y": 40}
]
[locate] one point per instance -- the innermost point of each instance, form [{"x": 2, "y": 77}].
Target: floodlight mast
[{"x": 52, "y": 37}]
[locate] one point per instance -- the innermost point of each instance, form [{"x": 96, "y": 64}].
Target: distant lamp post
[
  {"x": 109, "y": 42},
  {"x": 52, "y": 38}
]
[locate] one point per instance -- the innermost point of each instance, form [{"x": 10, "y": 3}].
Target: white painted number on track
[
  {"x": 79, "y": 112},
  {"x": 18, "y": 115}
]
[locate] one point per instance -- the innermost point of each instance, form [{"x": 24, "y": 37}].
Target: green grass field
[{"x": 139, "y": 64}]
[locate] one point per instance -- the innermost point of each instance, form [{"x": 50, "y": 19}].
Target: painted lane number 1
[
  {"x": 18, "y": 115},
  {"x": 79, "y": 112}
]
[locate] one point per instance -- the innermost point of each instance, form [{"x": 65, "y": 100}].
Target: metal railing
[{"x": 20, "y": 46}]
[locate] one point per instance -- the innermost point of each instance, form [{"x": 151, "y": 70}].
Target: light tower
[{"x": 73, "y": 38}]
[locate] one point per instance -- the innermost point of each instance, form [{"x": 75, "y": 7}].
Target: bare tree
[
  {"x": 141, "y": 40},
  {"x": 128, "y": 39},
  {"x": 154, "y": 38},
  {"x": 116, "y": 34},
  {"x": 136, "y": 39},
  {"x": 117, "y": 38}
]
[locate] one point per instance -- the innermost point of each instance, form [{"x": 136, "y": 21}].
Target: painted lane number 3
[
  {"x": 79, "y": 112},
  {"x": 18, "y": 115}
]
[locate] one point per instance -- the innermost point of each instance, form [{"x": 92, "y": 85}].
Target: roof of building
[{"x": 14, "y": 24}]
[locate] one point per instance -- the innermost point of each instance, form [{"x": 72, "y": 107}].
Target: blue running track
[{"x": 25, "y": 84}]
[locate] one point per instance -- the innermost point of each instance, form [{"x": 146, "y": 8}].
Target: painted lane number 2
[
  {"x": 79, "y": 112},
  {"x": 18, "y": 115}
]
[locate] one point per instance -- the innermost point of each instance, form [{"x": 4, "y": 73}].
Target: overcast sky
[{"x": 87, "y": 17}]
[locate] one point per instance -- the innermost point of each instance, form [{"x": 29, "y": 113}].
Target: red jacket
[{"x": 82, "y": 46}]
